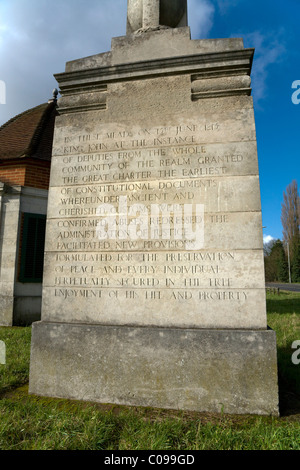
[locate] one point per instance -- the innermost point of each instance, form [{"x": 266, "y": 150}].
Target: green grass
[
  {"x": 47, "y": 424},
  {"x": 16, "y": 370},
  {"x": 284, "y": 318},
  {"x": 37, "y": 423}
]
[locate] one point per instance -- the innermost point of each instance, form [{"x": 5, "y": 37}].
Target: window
[{"x": 32, "y": 251}]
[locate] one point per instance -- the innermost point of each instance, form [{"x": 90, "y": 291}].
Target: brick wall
[
  {"x": 13, "y": 175},
  {"x": 37, "y": 176},
  {"x": 34, "y": 174}
]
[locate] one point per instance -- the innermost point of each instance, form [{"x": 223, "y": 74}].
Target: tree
[
  {"x": 296, "y": 265},
  {"x": 290, "y": 218},
  {"x": 268, "y": 247},
  {"x": 276, "y": 266},
  {"x": 282, "y": 265}
]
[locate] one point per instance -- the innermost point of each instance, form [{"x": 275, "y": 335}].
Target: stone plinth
[{"x": 189, "y": 369}]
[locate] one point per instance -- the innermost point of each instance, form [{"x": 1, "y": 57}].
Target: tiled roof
[{"x": 29, "y": 134}]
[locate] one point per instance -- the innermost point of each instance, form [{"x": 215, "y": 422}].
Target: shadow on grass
[
  {"x": 289, "y": 399},
  {"x": 283, "y": 311},
  {"x": 283, "y": 305},
  {"x": 288, "y": 383}
]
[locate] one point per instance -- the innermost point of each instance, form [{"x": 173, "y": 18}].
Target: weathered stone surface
[
  {"x": 6, "y": 305},
  {"x": 217, "y": 288},
  {"x": 9, "y": 220},
  {"x": 86, "y": 236},
  {"x": 215, "y": 193},
  {"x": 241, "y": 268},
  {"x": 203, "y": 308},
  {"x": 234, "y": 128},
  {"x": 201, "y": 370},
  {"x": 154, "y": 148},
  {"x": 16, "y": 298},
  {"x": 193, "y": 161},
  {"x": 2, "y": 352},
  {"x": 147, "y": 15},
  {"x": 156, "y": 46}
]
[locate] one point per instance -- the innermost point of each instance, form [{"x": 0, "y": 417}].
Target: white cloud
[
  {"x": 224, "y": 5},
  {"x": 38, "y": 37},
  {"x": 268, "y": 238},
  {"x": 269, "y": 50},
  {"x": 201, "y": 14}
]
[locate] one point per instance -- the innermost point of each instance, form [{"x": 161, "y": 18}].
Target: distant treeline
[
  {"x": 278, "y": 268},
  {"x": 282, "y": 258}
]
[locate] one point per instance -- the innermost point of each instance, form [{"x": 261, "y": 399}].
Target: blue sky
[{"x": 37, "y": 37}]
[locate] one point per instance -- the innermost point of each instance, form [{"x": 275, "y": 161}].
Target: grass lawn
[{"x": 35, "y": 423}]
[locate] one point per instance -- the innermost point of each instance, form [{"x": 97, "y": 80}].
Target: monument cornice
[
  {"x": 208, "y": 65},
  {"x": 86, "y": 90}
]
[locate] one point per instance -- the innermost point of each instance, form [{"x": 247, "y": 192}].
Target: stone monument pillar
[{"x": 154, "y": 289}]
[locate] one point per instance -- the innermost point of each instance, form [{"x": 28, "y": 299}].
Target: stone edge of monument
[
  {"x": 86, "y": 88},
  {"x": 131, "y": 366}
]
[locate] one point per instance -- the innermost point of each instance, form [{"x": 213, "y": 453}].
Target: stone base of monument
[{"x": 230, "y": 371}]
